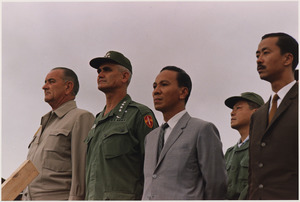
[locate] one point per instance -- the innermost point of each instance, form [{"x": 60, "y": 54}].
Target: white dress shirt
[
  {"x": 172, "y": 122},
  {"x": 282, "y": 93}
]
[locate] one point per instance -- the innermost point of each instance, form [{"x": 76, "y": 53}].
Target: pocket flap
[{"x": 64, "y": 132}]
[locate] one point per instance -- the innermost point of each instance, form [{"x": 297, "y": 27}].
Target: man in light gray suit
[{"x": 190, "y": 164}]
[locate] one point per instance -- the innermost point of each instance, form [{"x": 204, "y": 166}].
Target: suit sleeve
[
  {"x": 250, "y": 146},
  {"x": 80, "y": 131},
  {"x": 211, "y": 162}
]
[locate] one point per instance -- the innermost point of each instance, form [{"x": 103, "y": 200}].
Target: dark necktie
[
  {"x": 273, "y": 108},
  {"x": 161, "y": 139}
]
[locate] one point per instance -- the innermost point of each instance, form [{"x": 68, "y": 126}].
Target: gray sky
[{"x": 215, "y": 42}]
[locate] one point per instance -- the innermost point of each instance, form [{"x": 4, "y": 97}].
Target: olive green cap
[
  {"x": 248, "y": 96},
  {"x": 114, "y": 57}
]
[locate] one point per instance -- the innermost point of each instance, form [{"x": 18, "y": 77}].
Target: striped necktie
[{"x": 161, "y": 139}]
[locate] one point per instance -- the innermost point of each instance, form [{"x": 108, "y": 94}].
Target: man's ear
[
  {"x": 125, "y": 77},
  {"x": 69, "y": 87},
  {"x": 184, "y": 92},
  {"x": 288, "y": 59}
]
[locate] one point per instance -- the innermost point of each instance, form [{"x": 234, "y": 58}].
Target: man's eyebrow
[
  {"x": 263, "y": 49},
  {"x": 164, "y": 81},
  {"x": 50, "y": 79}
]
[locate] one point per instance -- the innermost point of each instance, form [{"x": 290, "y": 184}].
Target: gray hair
[
  {"x": 70, "y": 75},
  {"x": 124, "y": 69}
]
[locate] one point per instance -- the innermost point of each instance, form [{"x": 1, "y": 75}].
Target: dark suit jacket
[
  {"x": 191, "y": 164},
  {"x": 273, "y": 151}
]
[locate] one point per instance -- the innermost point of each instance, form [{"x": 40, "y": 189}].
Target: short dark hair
[
  {"x": 183, "y": 79},
  {"x": 287, "y": 44},
  {"x": 70, "y": 75}
]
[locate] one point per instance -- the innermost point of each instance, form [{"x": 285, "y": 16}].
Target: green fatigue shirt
[
  {"x": 237, "y": 163},
  {"x": 115, "y": 153}
]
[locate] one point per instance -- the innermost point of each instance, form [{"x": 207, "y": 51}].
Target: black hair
[
  {"x": 287, "y": 44},
  {"x": 183, "y": 79}
]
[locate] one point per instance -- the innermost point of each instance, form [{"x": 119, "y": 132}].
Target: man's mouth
[
  {"x": 157, "y": 100},
  {"x": 260, "y": 67}
]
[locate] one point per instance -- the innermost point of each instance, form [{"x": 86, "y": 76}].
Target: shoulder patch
[{"x": 149, "y": 121}]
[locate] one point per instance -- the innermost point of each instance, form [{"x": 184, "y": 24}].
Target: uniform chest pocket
[
  {"x": 116, "y": 142},
  {"x": 57, "y": 151},
  {"x": 244, "y": 166},
  {"x": 58, "y": 140}
]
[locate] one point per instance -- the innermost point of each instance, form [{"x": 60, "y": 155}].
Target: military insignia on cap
[
  {"x": 149, "y": 121},
  {"x": 107, "y": 55}
]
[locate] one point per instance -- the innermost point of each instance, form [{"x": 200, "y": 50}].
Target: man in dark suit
[
  {"x": 191, "y": 164},
  {"x": 273, "y": 151}
]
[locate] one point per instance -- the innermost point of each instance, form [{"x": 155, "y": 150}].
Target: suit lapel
[
  {"x": 287, "y": 100},
  {"x": 174, "y": 135},
  {"x": 262, "y": 120},
  {"x": 154, "y": 145}
]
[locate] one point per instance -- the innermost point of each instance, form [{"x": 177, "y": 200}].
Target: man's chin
[{"x": 158, "y": 108}]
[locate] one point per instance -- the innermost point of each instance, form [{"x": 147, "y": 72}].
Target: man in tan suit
[
  {"x": 273, "y": 150},
  {"x": 58, "y": 149}
]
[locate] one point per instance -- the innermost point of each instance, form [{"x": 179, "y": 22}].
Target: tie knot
[
  {"x": 275, "y": 98},
  {"x": 164, "y": 126}
]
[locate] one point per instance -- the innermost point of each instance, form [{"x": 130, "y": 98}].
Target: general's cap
[
  {"x": 248, "y": 96},
  {"x": 112, "y": 56}
]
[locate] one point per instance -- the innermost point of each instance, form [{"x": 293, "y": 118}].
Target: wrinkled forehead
[{"x": 55, "y": 74}]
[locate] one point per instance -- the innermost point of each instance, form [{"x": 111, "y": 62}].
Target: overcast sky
[{"x": 215, "y": 42}]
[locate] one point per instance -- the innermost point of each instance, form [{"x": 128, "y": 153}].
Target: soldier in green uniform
[
  {"x": 115, "y": 154},
  {"x": 237, "y": 157}
]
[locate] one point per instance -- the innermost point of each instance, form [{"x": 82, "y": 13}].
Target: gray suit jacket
[{"x": 191, "y": 164}]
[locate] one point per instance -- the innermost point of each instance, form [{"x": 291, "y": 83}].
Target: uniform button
[
  {"x": 260, "y": 165},
  {"x": 154, "y": 176},
  {"x": 263, "y": 144},
  {"x": 260, "y": 186}
]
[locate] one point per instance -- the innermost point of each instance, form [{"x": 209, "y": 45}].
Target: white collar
[
  {"x": 283, "y": 91},
  {"x": 240, "y": 143},
  {"x": 173, "y": 121}
]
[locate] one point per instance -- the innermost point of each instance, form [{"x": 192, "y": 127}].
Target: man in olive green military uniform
[
  {"x": 115, "y": 154},
  {"x": 237, "y": 157}
]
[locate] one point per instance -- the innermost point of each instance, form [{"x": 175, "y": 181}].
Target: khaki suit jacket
[{"x": 58, "y": 152}]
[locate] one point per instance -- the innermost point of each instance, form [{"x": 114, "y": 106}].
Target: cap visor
[
  {"x": 97, "y": 62},
  {"x": 230, "y": 102}
]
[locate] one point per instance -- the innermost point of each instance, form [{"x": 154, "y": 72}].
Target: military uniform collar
[
  {"x": 120, "y": 109},
  {"x": 244, "y": 146}
]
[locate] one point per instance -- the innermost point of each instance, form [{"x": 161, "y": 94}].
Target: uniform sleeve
[
  {"x": 80, "y": 131},
  {"x": 211, "y": 162},
  {"x": 250, "y": 146},
  {"x": 145, "y": 124}
]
